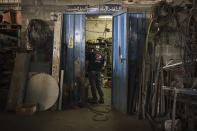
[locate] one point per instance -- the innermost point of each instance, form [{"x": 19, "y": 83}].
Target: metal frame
[
  {"x": 83, "y": 13},
  {"x": 88, "y": 13},
  {"x": 126, "y": 35},
  {"x": 176, "y": 91}
]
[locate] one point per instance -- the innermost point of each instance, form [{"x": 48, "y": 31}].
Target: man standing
[{"x": 94, "y": 64}]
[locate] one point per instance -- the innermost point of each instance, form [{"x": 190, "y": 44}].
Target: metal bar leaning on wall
[
  {"x": 144, "y": 80},
  {"x": 155, "y": 89},
  {"x": 61, "y": 90}
]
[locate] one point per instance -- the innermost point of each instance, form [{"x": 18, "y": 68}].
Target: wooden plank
[
  {"x": 57, "y": 47},
  {"x": 18, "y": 81},
  {"x": 57, "y": 53}
]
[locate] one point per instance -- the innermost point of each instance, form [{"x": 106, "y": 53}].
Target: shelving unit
[
  {"x": 6, "y": 5},
  {"x": 10, "y": 42},
  {"x": 12, "y": 30},
  {"x": 187, "y": 102}
]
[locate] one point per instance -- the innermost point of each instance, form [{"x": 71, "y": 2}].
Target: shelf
[
  {"x": 3, "y": 90},
  {"x": 181, "y": 91},
  {"x": 10, "y": 3},
  {"x": 8, "y": 48},
  {"x": 10, "y": 30},
  {"x": 7, "y": 26}
]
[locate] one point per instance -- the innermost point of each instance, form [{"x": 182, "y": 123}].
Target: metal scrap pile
[{"x": 170, "y": 61}]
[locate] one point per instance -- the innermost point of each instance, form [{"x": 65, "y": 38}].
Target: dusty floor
[
  {"x": 79, "y": 119},
  {"x": 71, "y": 120}
]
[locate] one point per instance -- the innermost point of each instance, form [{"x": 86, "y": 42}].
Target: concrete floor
[
  {"x": 71, "y": 120},
  {"x": 78, "y": 119}
]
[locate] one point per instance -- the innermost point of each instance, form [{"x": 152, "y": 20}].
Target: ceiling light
[{"x": 105, "y": 17}]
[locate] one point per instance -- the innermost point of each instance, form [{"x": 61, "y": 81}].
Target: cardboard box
[{"x": 27, "y": 109}]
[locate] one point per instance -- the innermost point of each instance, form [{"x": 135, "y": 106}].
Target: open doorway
[
  {"x": 99, "y": 37},
  {"x": 82, "y": 30}
]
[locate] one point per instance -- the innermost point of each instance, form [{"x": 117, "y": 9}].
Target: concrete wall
[
  {"x": 41, "y": 9},
  {"x": 95, "y": 28}
]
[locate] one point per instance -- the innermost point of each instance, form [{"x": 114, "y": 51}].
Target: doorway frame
[
  {"x": 91, "y": 13},
  {"x": 142, "y": 14}
]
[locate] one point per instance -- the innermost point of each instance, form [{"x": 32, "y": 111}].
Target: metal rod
[
  {"x": 181, "y": 91},
  {"x": 176, "y": 64},
  {"x": 60, "y": 90},
  {"x": 174, "y": 111},
  {"x": 154, "y": 101}
]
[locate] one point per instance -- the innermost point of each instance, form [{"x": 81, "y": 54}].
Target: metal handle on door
[
  {"x": 122, "y": 58},
  {"x": 120, "y": 55}
]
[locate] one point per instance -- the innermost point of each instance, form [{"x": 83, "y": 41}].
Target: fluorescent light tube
[{"x": 105, "y": 17}]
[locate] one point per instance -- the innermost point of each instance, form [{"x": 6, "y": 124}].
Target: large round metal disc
[{"x": 43, "y": 89}]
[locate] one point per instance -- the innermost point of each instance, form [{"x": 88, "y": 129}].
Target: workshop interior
[
  {"x": 99, "y": 37},
  {"x": 98, "y": 65}
]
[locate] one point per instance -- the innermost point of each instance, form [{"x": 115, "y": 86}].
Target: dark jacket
[{"x": 95, "y": 61}]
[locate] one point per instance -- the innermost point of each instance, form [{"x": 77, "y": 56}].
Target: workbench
[{"x": 175, "y": 91}]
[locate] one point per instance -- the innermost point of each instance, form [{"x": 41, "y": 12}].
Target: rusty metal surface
[{"x": 74, "y": 46}]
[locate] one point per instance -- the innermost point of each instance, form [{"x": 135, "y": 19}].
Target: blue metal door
[
  {"x": 74, "y": 46},
  {"x": 128, "y": 45},
  {"x": 120, "y": 62},
  {"x": 136, "y": 41}
]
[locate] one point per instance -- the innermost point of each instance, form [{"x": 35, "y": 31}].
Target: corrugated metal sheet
[
  {"x": 128, "y": 44},
  {"x": 136, "y": 41},
  {"x": 120, "y": 59},
  {"x": 74, "y": 44}
]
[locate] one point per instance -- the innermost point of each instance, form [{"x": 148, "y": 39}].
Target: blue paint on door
[
  {"x": 128, "y": 43},
  {"x": 120, "y": 78},
  {"x": 74, "y": 41}
]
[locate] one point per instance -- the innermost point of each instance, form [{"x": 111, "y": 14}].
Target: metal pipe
[
  {"x": 60, "y": 90},
  {"x": 174, "y": 111},
  {"x": 176, "y": 64}
]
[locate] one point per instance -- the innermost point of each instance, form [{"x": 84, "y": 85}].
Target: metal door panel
[
  {"x": 74, "y": 41},
  {"x": 114, "y": 62},
  {"x": 128, "y": 43},
  {"x": 120, "y": 78},
  {"x": 79, "y": 43},
  {"x": 69, "y": 35},
  {"x": 136, "y": 33}
]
